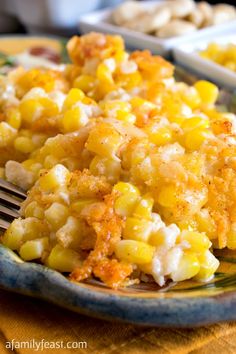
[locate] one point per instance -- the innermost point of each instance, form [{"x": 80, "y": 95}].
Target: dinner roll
[{"x": 176, "y": 28}]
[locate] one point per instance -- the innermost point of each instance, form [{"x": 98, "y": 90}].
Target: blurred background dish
[
  {"x": 15, "y": 44},
  {"x": 30, "y": 51},
  {"x": 166, "y": 19},
  {"x": 101, "y": 21},
  {"x": 8, "y": 23},
  {"x": 189, "y": 56},
  {"x": 47, "y": 16}
]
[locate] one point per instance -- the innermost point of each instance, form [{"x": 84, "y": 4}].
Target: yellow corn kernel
[
  {"x": 33, "y": 228},
  {"x": 231, "y": 237},
  {"x": 36, "y": 169},
  {"x": 137, "y": 229},
  {"x": 55, "y": 178},
  {"x": 145, "y": 171},
  {"x": 125, "y": 204},
  {"x": 195, "y": 138},
  {"x": 144, "y": 206},
  {"x": 23, "y": 230},
  {"x": 63, "y": 259},
  {"x": 50, "y": 108},
  {"x": 56, "y": 215},
  {"x": 129, "y": 195},
  {"x": 176, "y": 119},
  {"x": 231, "y": 65},
  {"x": 126, "y": 188},
  {"x": 34, "y": 249},
  {"x": 30, "y": 110},
  {"x": 160, "y": 136},
  {"x": 138, "y": 154},
  {"x": 120, "y": 55},
  {"x": 231, "y": 51},
  {"x": 14, "y": 117},
  {"x": 195, "y": 122},
  {"x": 167, "y": 196},
  {"x": 213, "y": 49},
  {"x": 208, "y": 266},
  {"x": 126, "y": 117},
  {"x": 84, "y": 83},
  {"x": 104, "y": 74},
  {"x": 25, "y": 132},
  {"x": 27, "y": 164},
  {"x": 74, "y": 119},
  {"x": 129, "y": 81},
  {"x": 136, "y": 252},
  {"x": 79, "y": 205},
  {"x": 13, "y": 236},
  {"x": 103, "y": 88},
  {"x": 33, "y": 209},
  {"x": 192, "y": 98},
  {"x": 75, "y": 95},
  {"x": 24, "y": 144},
  {"x": 164, "y": 236},
  {"x": 89, "y": 101},
  {"x": 104, "y": 140},
  {"x": 205, "y": 223},
  {"x": 197, "y": 241},
  {"x": 105, "y": 167},
  {"x": 223, "y": 55},
  {"x": 50, "y": 161},
  {"x": 138, "y": 101},
  {"x": 207, "y": 91},
  {"x": 194, "y": 163},
  {"x": 7, "y": 134},
  {"x": 188, "y": 224},
  {"x": 187, "y": 268},
  {"x": 113, "y": 108},
  {"x": 70, "y": 234}
]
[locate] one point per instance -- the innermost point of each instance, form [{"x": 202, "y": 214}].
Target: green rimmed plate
[{"x": 177, "y": 305}]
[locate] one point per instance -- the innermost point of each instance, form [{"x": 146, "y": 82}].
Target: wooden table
[{"x": 25, "y": 319}]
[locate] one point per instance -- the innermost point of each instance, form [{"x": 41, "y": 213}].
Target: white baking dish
[
  {"x": 188, "y": 56},
  {"x": 101, "y": 21}
]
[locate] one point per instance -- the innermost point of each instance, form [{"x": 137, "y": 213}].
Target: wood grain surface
[{"x": 25, "y": 319}]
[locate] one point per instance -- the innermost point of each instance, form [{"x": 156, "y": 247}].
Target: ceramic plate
[
  {"x": 188, "y": 304},
  {"x": 178, "y": 305}
]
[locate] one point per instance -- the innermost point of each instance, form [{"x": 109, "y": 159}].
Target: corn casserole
[{"x": 131, "y": 175}]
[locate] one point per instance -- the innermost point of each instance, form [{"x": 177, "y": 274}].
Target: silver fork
[{"x": 11, "y": 198}]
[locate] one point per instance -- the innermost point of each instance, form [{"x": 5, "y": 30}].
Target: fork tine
[
  {"x": 4, "y": 224},
  {"x": 6, "y": 198},
  {"x": 9, "y": 187},
  {"x": 11, "y": 198},
  {"x": 8, "y": 212}
]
